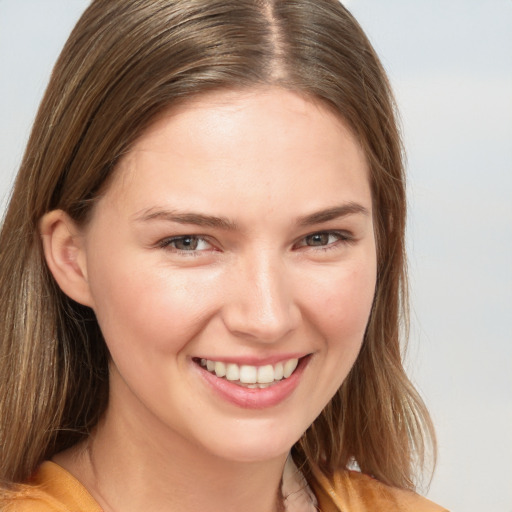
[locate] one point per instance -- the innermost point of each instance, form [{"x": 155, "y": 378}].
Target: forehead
[
  {"x": 226, "y": 108},
  {"x": 265, "y": 141}
]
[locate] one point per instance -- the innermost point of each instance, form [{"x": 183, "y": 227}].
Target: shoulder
[
  {"x": 26, "y": 498},
  {"x": 351, "y": 491},
  {"x": 51, "y": 489}
]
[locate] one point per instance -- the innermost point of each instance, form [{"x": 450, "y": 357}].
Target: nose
[{"x": 261, "y": 304}]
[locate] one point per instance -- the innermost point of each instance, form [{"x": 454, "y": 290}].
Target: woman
[{"x": 205, "y": 254}]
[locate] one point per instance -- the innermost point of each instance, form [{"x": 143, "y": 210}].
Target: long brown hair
[{"x": 125, "y": 62}]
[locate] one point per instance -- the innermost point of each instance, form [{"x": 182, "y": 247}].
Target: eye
[
  {"x": 186, "y": 243},
  {"x": 324, "y": 239}
]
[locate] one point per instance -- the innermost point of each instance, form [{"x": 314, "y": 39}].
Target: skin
[{"x": 257, "y": 287}]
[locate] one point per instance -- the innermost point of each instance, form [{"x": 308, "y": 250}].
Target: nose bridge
[{"x": 262, "y": 305}]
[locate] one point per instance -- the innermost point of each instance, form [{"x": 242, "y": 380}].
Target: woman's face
[{"x": 236, "y": 234}]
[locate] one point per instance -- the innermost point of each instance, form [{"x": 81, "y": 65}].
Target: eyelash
[
  {"x": 342, "y": 237},
  {"x": 166, "y": 243}
]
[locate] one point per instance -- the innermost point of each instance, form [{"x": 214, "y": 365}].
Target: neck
[{"x": 129, "y": 467}]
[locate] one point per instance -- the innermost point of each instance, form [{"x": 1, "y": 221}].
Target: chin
[{"x": 255, "y": 444}]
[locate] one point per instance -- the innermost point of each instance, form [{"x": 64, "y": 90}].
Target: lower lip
[{"x": 249, "y": 398}]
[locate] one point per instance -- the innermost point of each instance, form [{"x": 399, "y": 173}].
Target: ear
[{"x": 64, "y": 251}]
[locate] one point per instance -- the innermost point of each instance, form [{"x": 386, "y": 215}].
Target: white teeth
[
  {"x": 266, "y": 374},
  {"x": 248, "y": 374},
  {"x": 252, "y": 376},
  {"x": 289, "y": 367},
  {"x": 220, "y": 369},
  {"x": 278, "y": 371},
  {"x": 232, "y": 372}
]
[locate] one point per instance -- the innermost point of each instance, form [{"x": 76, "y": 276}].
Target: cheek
[
  {"x": 337, "y": 308},
  {"x": 342, "y": 301},
  {"x": 152, "y": 310},
  {"x": 342, "y": 306}
]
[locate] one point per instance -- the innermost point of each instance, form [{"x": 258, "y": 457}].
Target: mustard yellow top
[
  {"x": 351, "y": 491},
  {"x": 53, "y": 489}
]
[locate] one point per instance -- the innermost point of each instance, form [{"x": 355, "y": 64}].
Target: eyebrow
[
  {"x": 198, "y": 219},
  {"x": 332, "y": 214},
  {"x": 212, "y": 221}
]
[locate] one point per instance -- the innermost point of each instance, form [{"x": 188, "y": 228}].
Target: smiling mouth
[{"x": 253, "y": 377}]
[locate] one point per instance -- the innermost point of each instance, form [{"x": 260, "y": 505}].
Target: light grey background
[{"x": 450, "y": 62}]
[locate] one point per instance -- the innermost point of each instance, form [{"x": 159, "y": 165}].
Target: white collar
[{"x": 297, "y": 495}]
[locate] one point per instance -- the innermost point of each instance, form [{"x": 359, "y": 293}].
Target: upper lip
[{"x": 254, "y": 360}]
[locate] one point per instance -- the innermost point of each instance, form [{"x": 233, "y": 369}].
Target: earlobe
[{"x": 65, "y": 255}]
